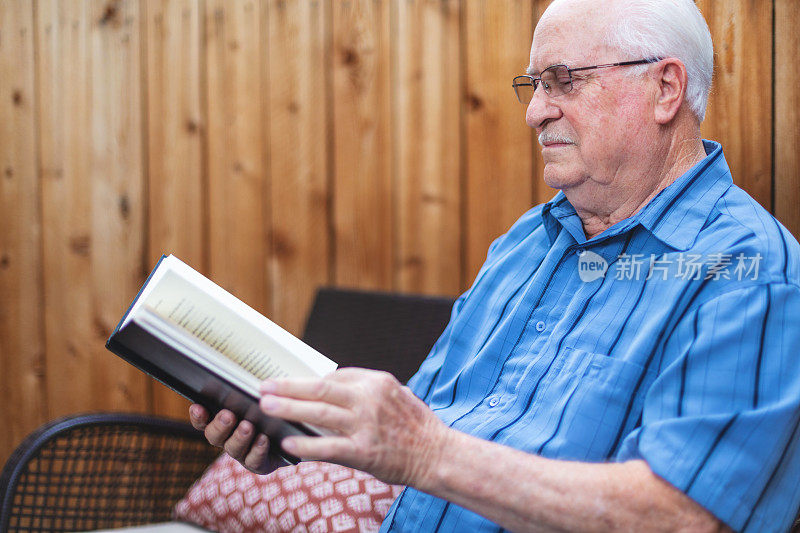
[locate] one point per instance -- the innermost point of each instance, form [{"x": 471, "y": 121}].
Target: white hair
[{"x": 643, "y": 29}]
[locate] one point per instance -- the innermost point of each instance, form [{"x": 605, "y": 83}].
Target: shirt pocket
[{"x": 604, "y": 403}]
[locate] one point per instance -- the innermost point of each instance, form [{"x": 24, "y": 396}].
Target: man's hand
[
  {"x": 240, "y": 442},
  {"x": 374, "y": 423}
]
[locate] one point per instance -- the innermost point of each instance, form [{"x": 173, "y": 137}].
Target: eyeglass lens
[{"x": 555, "y": 80}]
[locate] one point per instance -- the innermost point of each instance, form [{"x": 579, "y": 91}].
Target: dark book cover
[{"x": 167, "y": 362}]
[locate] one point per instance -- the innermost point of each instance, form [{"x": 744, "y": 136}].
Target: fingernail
[
  {"x": 244, "y": 430},
  {"x": 194, "y": 411},
  {"x": 261, "y": 441},
  {"x": 226, "y": 418},
  {"x": 267, "y": 386},
  {"x": 289, "y": 444},
  {"x": 269, "y": 403}
]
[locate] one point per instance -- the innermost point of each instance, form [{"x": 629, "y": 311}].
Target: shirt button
[
  {"x": 493, "y": 401},
  {"x": 579, "y": 251},
  {"x": 540, "y": 326}
]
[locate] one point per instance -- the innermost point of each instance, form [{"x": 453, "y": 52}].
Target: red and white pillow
[{"x": 311, "y": 496}]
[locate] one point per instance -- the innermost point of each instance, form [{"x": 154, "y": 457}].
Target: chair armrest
[{"x": 100, "y": 470}]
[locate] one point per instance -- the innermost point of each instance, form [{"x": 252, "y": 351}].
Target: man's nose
[{"x": 541, "y": 108}]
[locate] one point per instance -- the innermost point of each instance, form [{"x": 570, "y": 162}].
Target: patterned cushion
[{"x": 312, "y": 496}]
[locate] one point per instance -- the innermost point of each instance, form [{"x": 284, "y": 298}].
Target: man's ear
[{"x": 670, "y": 77}]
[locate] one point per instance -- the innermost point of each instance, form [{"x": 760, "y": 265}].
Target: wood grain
[
  {"x": 239, "y": 203},
  {"x": 739, "y": 113},
  {"x": 362, "y": 112},
  {"x": 786, "y": 140},
  {"x": 299, "y": 156},
  {"x": 22, "y": 384},
  {"x": 499, "y": 156},
  {"x": 91, "y": 160},
  {"x": 175, "y": 126},
  {"x": 428, "y": 126},
  {"x": 117, "y": 179}
]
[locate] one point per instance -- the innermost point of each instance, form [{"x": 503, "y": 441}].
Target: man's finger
[
  {"x": 315, "y": 389},
  {"x": 336, "y": 449},
  {"x": 220, "y": 428},
  {"x": 198, "y": 416},
  {"x": 311, "y": 412},
  {"x": 257, "y": 459},
  {"x": 238, "y": 445}
]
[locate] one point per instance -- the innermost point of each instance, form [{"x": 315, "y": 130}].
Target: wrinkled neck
[{"x": 609, "y": 203}]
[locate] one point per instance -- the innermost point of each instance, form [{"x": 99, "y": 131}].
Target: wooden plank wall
[
  {"x": 280, "y": 145},
  {"x": 739, "y": 115},
  {"x": 362, "y": 143},
  {"x": 22, "y": 356},
  {"x": 176, "y": 119},
  {"x": 92, "y": 182},
  {"x": 786, "y": 133},
  {"x": 427, "y": 191}
]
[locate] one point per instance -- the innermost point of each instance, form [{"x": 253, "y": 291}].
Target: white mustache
[{"x": 552, "y": 137}]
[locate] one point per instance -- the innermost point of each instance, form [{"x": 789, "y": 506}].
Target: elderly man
[{"x": 627, "y": 358}]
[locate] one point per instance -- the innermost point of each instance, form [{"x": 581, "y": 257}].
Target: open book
[{"x": 204, "y": 343}]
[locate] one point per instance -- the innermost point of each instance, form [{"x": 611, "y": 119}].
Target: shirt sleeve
[{"x": 720, "y": 421}]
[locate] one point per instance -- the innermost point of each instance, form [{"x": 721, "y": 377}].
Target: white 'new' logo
[{"x": 591, "y": 266}]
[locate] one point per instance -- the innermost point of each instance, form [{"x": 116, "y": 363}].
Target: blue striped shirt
[{"x": 672, "y": 337}]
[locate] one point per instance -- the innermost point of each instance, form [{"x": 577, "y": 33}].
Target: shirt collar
[
  {"x": 675, "y": 216},
  {"x": 555, "y": 211}
]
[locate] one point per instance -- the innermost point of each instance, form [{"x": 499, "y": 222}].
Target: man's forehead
[
  {"x": 570, "y": 35},
  {"x": 567, "y": 52}
]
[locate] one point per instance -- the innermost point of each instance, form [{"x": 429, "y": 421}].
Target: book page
[
  {"x": 200, "y": 352},
  {"x": 204, "y": 355},
  {"x": 183, "y": 304}
]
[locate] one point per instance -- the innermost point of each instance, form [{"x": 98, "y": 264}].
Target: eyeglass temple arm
[{"x": 620, "y": 64}]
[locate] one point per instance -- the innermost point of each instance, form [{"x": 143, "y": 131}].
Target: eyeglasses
[{"x": 557, "y": 79}]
